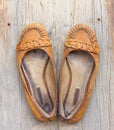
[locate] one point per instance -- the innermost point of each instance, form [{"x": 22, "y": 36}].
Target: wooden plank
[
  {"x": 110, "y": 7},
  {"x": 58, "y": 16}
]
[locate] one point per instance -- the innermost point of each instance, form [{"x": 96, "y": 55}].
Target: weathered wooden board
[{"x": 58, "y": 16}]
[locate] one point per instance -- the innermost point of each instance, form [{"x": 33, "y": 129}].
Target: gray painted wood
[{"x": 58, "y": 16}]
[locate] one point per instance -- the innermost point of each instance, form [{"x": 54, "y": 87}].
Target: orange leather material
[
  {"x": 73, "y": 44},
  {"x": 81, "y": 45},
  {"x": 33, "y": 37}
]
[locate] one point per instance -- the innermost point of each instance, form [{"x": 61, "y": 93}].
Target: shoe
[
  {"x": 78, "y": 73},
  {"x": 36, "y": 67}
]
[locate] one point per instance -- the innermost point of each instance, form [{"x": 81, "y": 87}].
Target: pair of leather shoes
[{"x": 77, "y": 76}]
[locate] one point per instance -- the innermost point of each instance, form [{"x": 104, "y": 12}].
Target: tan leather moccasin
[
  {"x": 78, "y": 72},
  {"x": 36, "y": 67}
]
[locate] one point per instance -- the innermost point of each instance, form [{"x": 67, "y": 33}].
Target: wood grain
[{"x": 58, "y": 16}]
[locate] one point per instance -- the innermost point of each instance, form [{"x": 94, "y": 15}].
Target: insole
[
  {"x": 38, "y": 72},
  {"x": 78, "y": 67}
]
